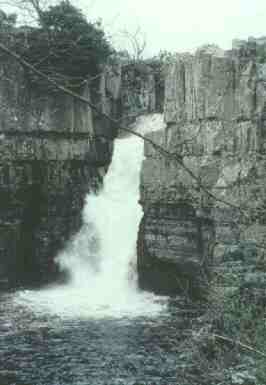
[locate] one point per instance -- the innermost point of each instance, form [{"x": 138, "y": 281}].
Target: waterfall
[
  {"x": 111, "y": 221},
  {"x": 101, "y": 258}
]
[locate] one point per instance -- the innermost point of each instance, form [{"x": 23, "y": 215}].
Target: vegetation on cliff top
[{"x": 64, "y": 44}]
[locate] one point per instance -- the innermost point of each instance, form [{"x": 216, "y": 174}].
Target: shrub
[{"x": 66, "y": 45}]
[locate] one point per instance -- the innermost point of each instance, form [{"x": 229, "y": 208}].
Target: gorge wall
[
  {"x": 53, "y": 151},
  {"x": 214, "y": 110}
]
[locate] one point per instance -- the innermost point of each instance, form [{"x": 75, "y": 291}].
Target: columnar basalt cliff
[{"x": 215, "y": 121}]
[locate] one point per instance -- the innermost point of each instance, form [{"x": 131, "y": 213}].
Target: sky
[{"x": 177, "y": 25}]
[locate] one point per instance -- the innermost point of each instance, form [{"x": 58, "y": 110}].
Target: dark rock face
[
  {"x": 39, "y": 212},
  {"x": 138, "y": 88},
  {"x": 139, "y": 92},
  {"x": 53, "y": 151},
  {"x": 174, "y": 250}
]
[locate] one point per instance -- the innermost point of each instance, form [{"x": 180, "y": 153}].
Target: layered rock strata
[
  {"x": 53, "y": 151},
  {"x": 215, "y": 118}
]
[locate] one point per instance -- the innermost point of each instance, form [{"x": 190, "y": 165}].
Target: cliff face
[
  {"x": 215, "y": 116},
  {"x": 53, "y": 150}
]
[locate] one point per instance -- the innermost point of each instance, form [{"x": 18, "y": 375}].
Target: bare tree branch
[
  {"x": 137, "y": 43},
  {"x": 177, "y": 157}
]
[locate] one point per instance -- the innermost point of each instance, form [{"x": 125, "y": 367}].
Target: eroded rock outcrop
[{"x": 215, "y": 120}]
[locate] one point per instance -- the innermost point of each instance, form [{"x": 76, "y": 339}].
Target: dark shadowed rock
[
  {"x": 53, "y": 151},
  {"x": 174, "y": 250}
]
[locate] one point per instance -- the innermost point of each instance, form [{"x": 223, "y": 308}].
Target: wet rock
[
  {"x": 174, "y": 250},
  {"x": 51, "y": 157}
]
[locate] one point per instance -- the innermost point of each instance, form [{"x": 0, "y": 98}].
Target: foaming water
[{"x": 101, "y": 258}]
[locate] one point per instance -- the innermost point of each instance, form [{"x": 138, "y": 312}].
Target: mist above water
[{"x": 101, "y": 258}]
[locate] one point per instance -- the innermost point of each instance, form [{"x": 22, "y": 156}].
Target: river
[{"x": 99, "y": 328}]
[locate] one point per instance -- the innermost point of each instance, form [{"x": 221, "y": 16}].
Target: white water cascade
[{"x": 101, "y": 258}]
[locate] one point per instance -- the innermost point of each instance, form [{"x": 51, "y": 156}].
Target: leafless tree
[
  {"x": 29, "y": 11},
  {"x": 135, "y": 42}
]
